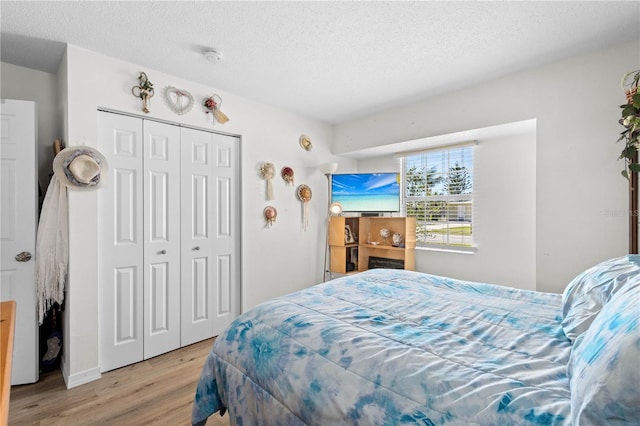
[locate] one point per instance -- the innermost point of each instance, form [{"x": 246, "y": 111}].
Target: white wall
[
  {"x": 31, "y": 85},
  {"x": 386, "y": 163},
  {"x": 578, "y": 183},
  {"x": 504, "y": 215}
]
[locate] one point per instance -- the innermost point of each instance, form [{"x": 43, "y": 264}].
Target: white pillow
[
  {"x": 585, "y": 296},
  {"x": 604, "y": 369}
]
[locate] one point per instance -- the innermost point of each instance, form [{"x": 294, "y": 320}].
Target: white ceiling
[{"x": 332, "y": 61}]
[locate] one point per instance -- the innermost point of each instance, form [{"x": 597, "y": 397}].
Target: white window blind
[{"x": 438, "y": 192}]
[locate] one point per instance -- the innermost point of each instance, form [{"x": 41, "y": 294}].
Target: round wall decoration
[
  {"x": 287, "y": 175},
  {"x": 305, "y": 143},
  {"x": 304, "y": 194},
  {"x": 270, "y": 213},
  {"x": 267, "y": 170}
]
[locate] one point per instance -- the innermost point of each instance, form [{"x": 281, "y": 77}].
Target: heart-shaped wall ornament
[{"x": 180, "y": 101}]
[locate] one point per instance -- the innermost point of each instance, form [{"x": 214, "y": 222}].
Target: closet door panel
[
  {"x": 121, "y": 242},
  {"x": 224, "y": 260},
  {"x": 161, "y": 167},
  {"x": 125, "y": 196},
  {"x": 159, "y": 298},
  {"x": 197, "y": 227},
  {"x": 198, "y": 289},
  {"x": 124, "y": 292},
  {"x": 224, "y": 285},
  {"x": 226, "y": 240}
]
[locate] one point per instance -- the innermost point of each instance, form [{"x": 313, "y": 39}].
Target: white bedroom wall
[
  {"x": 385, "y": 163},
  {"x": 504, "y": 214},
  {"x": 581, "y": 199}
]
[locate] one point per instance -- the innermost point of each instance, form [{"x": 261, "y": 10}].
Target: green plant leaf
[
  {"x": 629, "y": 110},
  {"x": 634, "y": 167},
  {"x": 625, "y": 174},
  {"x": 629, "y": 151}
]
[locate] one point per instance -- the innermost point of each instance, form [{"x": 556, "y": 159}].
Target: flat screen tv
[{"x": 366, "y": 192}]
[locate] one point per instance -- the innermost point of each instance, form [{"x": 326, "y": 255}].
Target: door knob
[
  {"x": 196, "y": 248},
  {"x": 162, "y": 252},
  {"x": 25, "y": 256}
]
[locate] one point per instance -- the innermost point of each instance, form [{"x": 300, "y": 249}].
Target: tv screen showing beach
[{"x": 367, "y": 192}]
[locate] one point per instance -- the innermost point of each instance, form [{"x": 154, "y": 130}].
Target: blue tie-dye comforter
[{"x": 390, "y": 347}]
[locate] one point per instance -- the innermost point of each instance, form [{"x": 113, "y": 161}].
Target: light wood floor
[{"x": 158, "y": 391}]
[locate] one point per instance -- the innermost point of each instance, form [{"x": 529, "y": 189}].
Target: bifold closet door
[
  {"x": 121, "y": 241},
  {"x": 161, "y": 238},
  {"x": 139, "y": 240},
  {"x": 169, "y": 214},
  {"x": 210, "y": 234}
]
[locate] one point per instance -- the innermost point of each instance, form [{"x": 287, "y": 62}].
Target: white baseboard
[{"x": 86, "y": 376}]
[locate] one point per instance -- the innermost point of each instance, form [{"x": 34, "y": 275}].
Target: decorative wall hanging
[
  {"x": 81, "y": 168},
  {"x": 145, "y": 91},
  {"x": 267, "y": 172},
  {"x": 212, "y": 105},
  {"x": 270, "y": 213},
  {"x": 305, "y": 143},
  {"x": 287, "y": 175},
  {"x": 304, "y": 194},
  {"x": 180, "y": 101}
]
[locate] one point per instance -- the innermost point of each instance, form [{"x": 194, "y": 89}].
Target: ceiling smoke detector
[{"x": 213, "y": 55}]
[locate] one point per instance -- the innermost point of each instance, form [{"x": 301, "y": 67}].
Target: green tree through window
[
  {"x": 438, "y": 193},
  {"x": 458, "y": 180}
]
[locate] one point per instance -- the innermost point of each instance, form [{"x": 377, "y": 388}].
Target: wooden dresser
[{"x": 7, "y": 327}]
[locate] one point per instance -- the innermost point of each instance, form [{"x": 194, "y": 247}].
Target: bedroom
[{"x": 579, "y": 193}]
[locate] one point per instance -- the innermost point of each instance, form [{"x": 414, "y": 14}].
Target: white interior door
[
  {"x": 161, "y": 238},
  {"x": 121, "y": 242},
  {"x": 210, "y": 234},
  {"x": 18, "y": 212}
]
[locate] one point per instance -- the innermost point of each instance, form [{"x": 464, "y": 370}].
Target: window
[{"x": 439, "y": 194}]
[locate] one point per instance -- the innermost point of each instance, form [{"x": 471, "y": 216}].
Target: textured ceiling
[{"x": 332, "y": 61}]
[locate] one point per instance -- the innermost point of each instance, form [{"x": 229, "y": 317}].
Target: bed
[{"x": 387, "y": 347}]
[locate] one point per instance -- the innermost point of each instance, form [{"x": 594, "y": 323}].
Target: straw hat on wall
[{"x": 81, "y": 168}]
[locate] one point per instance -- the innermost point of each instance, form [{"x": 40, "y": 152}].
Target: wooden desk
[{"x": 7, "y": 327}]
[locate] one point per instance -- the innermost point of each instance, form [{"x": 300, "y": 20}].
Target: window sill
[{"x": 450, "y": 249}]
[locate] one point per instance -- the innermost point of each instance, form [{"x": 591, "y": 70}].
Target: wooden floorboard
[{"x": 158, "y": 391}]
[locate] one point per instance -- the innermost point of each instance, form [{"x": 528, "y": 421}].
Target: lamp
[
  {"x": 328, "y": 169},
  {"x": 335, "y": 209}
]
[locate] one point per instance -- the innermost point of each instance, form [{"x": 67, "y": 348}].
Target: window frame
[{"x": 446, "y": 198}]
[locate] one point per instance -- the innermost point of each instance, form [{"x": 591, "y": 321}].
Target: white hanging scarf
[
  {"x": 52, "y": 248},
  {"x": 81, "y": 168}
]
